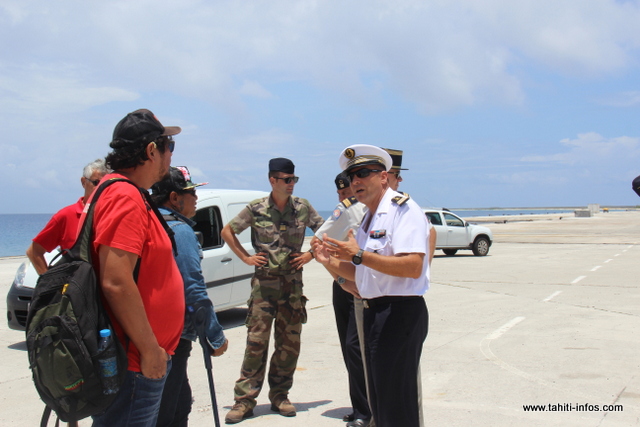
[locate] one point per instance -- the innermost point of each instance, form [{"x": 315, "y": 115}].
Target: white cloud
[
  {"x": 53, "y": 89},
  {"x": 440, "y": 54},
  {"x": 592, "y": 149},
  {"x": 66, "y": 67},
  {"x": 254, "y": 89},
  {"x": 623, "y": 99}
]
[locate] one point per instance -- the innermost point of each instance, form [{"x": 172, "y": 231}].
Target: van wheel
[
  {"x": 449, "y": 252},
  {"x": 480, "y": 246}
]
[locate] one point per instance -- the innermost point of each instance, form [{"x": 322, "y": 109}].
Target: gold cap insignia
[{"x": 349, "y": 153}]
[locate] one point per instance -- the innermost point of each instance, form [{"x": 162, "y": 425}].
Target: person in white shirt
[
  {"x": 347, "y": 304},
  {"x": 389, "y": 260}
]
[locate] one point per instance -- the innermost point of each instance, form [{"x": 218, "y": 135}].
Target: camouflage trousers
[{"x": 278, "y": 301}]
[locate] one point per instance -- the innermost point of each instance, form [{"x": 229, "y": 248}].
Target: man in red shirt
[
  {"x": 62, "y": 228},
  {"x": 147, "y": 313}
]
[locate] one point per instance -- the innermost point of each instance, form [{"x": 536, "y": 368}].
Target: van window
[
  {"x": 434, "y": 217},
  {"x": 209, "y": 223}
]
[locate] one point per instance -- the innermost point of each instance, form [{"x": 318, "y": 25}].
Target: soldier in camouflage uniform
[{"x": 278, "y": 224}]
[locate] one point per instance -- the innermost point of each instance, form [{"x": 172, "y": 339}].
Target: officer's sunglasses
[
  {"x": 362, "y": 173},
  {"x": 289, "y": 179}
]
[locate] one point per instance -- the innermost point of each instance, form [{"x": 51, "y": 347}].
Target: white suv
[{"x": 454, "y": 233}]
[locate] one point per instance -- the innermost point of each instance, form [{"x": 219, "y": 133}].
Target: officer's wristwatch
[
  {"x": 357, "y": 258},
  {"x": 341, "y": 280}
]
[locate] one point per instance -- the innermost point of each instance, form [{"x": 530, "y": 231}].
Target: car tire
[
  {"x": 480, "y": 246},
  {"x": 449, "y": 252}
]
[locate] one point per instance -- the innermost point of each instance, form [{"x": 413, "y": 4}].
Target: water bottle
[{"x": 108, "y": 363}]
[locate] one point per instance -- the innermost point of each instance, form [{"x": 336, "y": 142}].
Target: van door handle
[{"x": 226, "y": 259}]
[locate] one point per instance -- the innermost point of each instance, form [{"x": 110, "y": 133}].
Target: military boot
[
  {"x": 241, "y": 410},
  {"x": 282, "y": 405}
]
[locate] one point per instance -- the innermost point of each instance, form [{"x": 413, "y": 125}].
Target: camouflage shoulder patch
[{"x": 401, "y": 200}]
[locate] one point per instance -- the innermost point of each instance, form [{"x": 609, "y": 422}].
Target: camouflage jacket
[{"x": 277, "y": 233}]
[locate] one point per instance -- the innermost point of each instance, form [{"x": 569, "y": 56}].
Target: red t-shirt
[
  {"x": 123, "y": 221},
  {"x": 62, "y": 228}
]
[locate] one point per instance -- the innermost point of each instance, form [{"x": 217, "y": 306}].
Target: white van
[{"x": 228, "y": 278}]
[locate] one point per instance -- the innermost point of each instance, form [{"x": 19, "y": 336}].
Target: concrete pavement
[{"x": 549, "y": 317}]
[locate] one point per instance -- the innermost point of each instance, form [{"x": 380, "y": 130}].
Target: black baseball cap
[
  {"x": 178, "y": 179},
  {"x": 140, "y": 126}
]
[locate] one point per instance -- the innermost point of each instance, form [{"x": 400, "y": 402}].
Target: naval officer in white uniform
[{"x": 388, "y": 258}]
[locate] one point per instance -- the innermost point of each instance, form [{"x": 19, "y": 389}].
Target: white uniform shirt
[
  {"x": 342, "y": 220},
  {"x": 404, "y": 227}
]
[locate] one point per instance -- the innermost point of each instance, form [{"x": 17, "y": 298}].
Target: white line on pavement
[
  {"x": 504, "y": 328},
  {"x": 595, "y": 268},
  {"x": 577, "y": 279},
  {"x": 552, "y": 296}
]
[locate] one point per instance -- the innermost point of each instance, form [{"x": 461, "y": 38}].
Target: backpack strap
[
  {"x": 45, "y": 418},
  {"x": 171, "y": 217},
  {"x": 167, "y": 229},
  {"x": 82, "y": 246}
]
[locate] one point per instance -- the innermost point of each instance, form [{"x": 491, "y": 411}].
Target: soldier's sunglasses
[{"x": 289, "y": 179}]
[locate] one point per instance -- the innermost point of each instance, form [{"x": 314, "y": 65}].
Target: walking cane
[{"x": 199, "y": 318}]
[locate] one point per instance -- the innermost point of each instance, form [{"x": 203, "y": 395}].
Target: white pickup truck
[
  {"x": 228, "y": 279},
  {"x": 454, "y": 233}
]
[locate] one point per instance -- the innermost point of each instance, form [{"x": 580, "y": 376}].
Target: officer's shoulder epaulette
[
  {"x": 349, "y": 201},
  {"x": 401, "y": 200}
]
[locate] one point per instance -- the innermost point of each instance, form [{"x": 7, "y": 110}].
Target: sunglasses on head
[
  {"x": 363, "y": 173},
  {"x": 289, "y": 179}
]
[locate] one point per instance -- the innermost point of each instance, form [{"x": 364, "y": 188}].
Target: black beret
[
  {"x": 280, "y": 164},
  {"x": 342, "y": 181}
]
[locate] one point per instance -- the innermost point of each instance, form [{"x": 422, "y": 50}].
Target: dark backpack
[{"x": 63, "y": 324}]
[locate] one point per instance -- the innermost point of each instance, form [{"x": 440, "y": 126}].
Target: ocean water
[
  {"x": 17, "y": 230},
  {"x": 470, "y": 213},
  {"x": 466, "y": 213}
]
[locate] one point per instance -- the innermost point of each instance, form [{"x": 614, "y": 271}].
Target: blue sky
[{"x": 496, "y": 103}]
